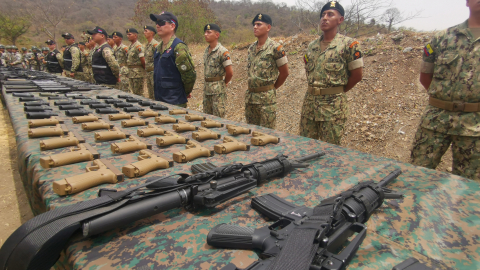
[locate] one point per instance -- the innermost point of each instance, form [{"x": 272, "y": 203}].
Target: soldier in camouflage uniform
[
  {"x": 121, "y": 51},
  {"x": 54, "y": 59},
  {"x": 2, "y": 53},
  {"x": 45, "y": 51},
  {"x": 135, "y": 63},
  {"x": 267, "y": 71},
  {"x": 152, "y": 44},
  {"x": 451, "y": 76},
  {"x": 72, "y": 58},
  {"x": 218, "y": 64},
  {"x": 24, "y": 61},
  {"x": 174, "y": 71},
  {"x": 16, "y": 58},
  {"x": 34, "y": 59},
  {"x": 333, "y": 65},
  {"x": 91, "y": 45},
  {"x": 104, "y": 65},
  {"x": 6, "y": 56},
  {"x": 84, "y": 60}
]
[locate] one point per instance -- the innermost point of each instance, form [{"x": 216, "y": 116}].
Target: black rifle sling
[{"x": 37, "y": 243}]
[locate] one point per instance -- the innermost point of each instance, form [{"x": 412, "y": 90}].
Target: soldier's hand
[
  {"x": 189, "y": 96},
  {"x": 72, "y": 74}
]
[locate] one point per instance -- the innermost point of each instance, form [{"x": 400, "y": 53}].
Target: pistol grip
[
  {"x": 66, "y": 158},
  {"x": 191, "y": 154},
  {"x": 169, "y": 140},
  {"x": 205, "y": 135},
  {"x": 229, "y": 147},
  {"x": 177, "y": 111},
  {"x": 145, "y": 166},
  {"x": 125, "y": 147},
  {"x": 84, "y": 119},
  {"x": 194, "y": 117},
  {"x": 231, "y": 236},
  {"x": 43, "y": 122},
  {"x": 147, "y": 132},
  {"x": 134, "y": 123},
  {"x": 165, "y": 119},
  {"x": 148, "y": 113},
  {"x": 81, "y": 182},
  {"x": 211, "y": 124},
  {"x": 58, "y": 143},
  {"x": 234, "y": 130},
  {"x": 264, "y": 140},
  {"x": 95, "y": 125},
  {"x": 45, "y": 132},
  {"x": 183, "y": 127},
  {"x": 119, "y": 116},
  {"x": 109, "y": 135}
]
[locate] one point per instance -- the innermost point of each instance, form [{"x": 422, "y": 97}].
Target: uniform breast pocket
[
  {"x": 335, "y": 72},
  {"x": 445, "y": 66},
  {"x": 263, "y": 67}
]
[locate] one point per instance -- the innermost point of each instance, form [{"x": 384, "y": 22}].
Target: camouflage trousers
[
  {"x": 429, "y": 147},
  {"x": 264, "y": 115},
  {"x": 215, "y": 104},
  {"x": 136, "y": 86},
  {"x": 149, "y": 78},
  {"x": 124, "y": 83},
  {"x": 327, "y": 131}
]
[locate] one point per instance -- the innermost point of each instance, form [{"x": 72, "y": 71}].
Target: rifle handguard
[
  {"x": 47, "y": 132},
  {"x": 110, "y": 135},
  {"x": 150, "y": 131},
  {"x": 132, "y": 144},
  {"x": 177, "y": 111},
  {"x": 236, "y": 130},
  {"x": 163, "y": 119},
  {"x": 96, "y": 125},
  {"x": 101, "y": 172},
  {"x": 194, "y": 117},
  {"x": 148, "y": 162},
  {"x": 192, "y": 152},
  {"x": 83, "y": 152},
  {"x": 84, "y": 119},
  {"x": 148, "y": 113},
  {"x": 119, "y": 116},
  {"x": 134, "y": 122},
  {"x": 211, "y": 124},
  {"x": 230, "y": 145},
  {"x": 182, "y": 127},
  {"x": 260, "y": 139}
]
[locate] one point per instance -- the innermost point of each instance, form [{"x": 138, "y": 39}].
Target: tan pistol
[
  {"x": 130, "y": 145},
  {"x": 260, "y": 139},
  {"x": 119, "y": 116},
  {"x": 96, "y": 125},
  {"x": 83, "y": 152},
  {"x": 205, "y": 134},
  {"x": 193, "y": 150},
  {"x": 211, "y": 124},
  {"x": 177, "y": 111},
  {"x": 134, "y": 122},
  {"x": 229, "y": 145},
  {"x": 150, "y": 131},
  {"x": 183, "y": 126},
  {"x": 148, "y": 113},
  {"x": 84, "y": 119},
  {"x": 164, "y": 119},
  {"x": 101, "y": 172},
  {"x": 171, "y": 138},
  {"x": 58, "y": 130},
  {"x": 72, "y": 139},
  {"x": 112, "y": 134},
  {"x": 148, "y": 161},
  {"x": 236, "y": 130},
  {"x": 52, "y": 121},
  {"x": 194, "y": 117}
]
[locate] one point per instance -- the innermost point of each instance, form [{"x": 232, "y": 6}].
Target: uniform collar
[
  {"x": 334, "y": 42},
  {"x": 103, "y": 44},
  {"x": 214, "y": 49},
  {"x": 169, "y": 44},
  {"x": 463, "y": 29},
  {"x": 267, "y": 42},
  {"x": 151, "y": 42}
]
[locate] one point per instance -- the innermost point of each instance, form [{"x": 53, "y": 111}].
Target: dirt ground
[{"x": 385, "y": 108}]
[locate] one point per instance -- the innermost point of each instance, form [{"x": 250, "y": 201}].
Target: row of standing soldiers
[{"x": 27, "y": 59}]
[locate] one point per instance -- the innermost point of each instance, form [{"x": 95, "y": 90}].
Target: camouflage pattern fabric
[
  {"x": 452, "y": 57},
  {"x": 34, "y": 61},
  {"x": 436, "y": 222},
  {"x": 184, "y": 62},
  {"x": 214, "y": 93},
  {"x": 149, "y": 51},
  {"x": 109, "y": 56},
  {"x": 87, "y": 68},
  {"x": 16, "y": 60},
  {"x": 263, "y": 71},
  {"x": 76, "y": 56},
  {"x": 4, "y": 59},
  {"x": 90, "y": 60},
  {"x": 120, "y": 53},
  {"x": 325, "y": 69},
  {"x": 84, "y": 64},
  {"x": 136, "y": 73}
]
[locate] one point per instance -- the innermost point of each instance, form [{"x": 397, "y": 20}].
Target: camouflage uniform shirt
[
  {"x": 215, "y": 63},
  {"x": 135, "y": 68},
  {"x": 183, "y": 61},
  {"x": 326, "y": 69},
  {"x": 263, "y": 70},
  {"x": 452, "y": 56},
  {"x": 108, "y": 55},
  {"x": 149, "y": 51},
  {"x": 76, "y": 55},
  {"x": 16, "y": 60},
  {"x": 85, "y": 60},
  {"x": 121, "y": 54}
]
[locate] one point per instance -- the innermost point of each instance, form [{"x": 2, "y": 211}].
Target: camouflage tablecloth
[{"x": 437, "y": 222}]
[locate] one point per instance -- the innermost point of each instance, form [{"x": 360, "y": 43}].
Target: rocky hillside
[{"x": 385, "y": 108}]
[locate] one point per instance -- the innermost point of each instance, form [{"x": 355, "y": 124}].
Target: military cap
[
  {"x": 2, "y": 46},
  {"x": 118, "y": 34},
  {"x": 151, "y": 28},
  {"x": 110, "y": 36},
  {"x": 45, "y": 49},
  {"x": 132, "y": 30},
  {"x": 98, "y": 30},
  {"x": 165, "y": 16},
  {"x": 263, "y": 18},
  {"x": 24, "y": 49},
  {"x": 14, "y": 47},
  {"x": 212, "y": 26},
  {"x": 67, "y": 35},
  {"x": 81, "y": 43},
  {"x": 50, "y": 42},
  {"x": 333, "y": 5}
]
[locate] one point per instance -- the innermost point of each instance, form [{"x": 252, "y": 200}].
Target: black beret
[
  {"x": 50, "y": 42},
  {"x": 132, "y": 30},
  {"x": 98, "y": 30},
  {"x": 333, "y": 5},
  {"x": 212, "y": 26},
  {"x": 67, "y": 35},
  {"x": 263, "y": 18},
  {"x": 151, "y": 28},
  {"x": 118, "y": 34},
  {"x": 110, "y": 36}
]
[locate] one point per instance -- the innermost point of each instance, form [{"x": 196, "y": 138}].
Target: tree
[
  {"x": 393, "y": 16},
  {"x": 13, "y": 27}
]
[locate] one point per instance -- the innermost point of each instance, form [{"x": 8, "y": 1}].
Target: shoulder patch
[
  {"x": 353, "y": 44},
  {"x": 428, "y": 50},
  {"x": 126, "y": 49},
  {"x": 305, "y": 59},
  {"x": 279, "y": 48},
  {"x": 357, "y": 55}
]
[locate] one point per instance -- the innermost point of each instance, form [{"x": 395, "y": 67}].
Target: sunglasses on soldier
[{"x": 161, "y": 23}]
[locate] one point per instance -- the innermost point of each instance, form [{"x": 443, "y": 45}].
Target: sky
[{"x": 436, "y": 14}]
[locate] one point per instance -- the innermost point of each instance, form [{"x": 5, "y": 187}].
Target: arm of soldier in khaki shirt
[
  {"x": 184, "y": 62},
  {"x": 227, "y": 64},
  {"x": 75, "y": 58},
  {"x": 281, "y": 60},
  {"x": 60, "y": 59},
  {"x": 426, "y": 70},
  {"x": 107, "y": 54},
  {"x": 355, "y": 65}
]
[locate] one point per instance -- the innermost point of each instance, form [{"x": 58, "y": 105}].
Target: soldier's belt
[
  {"x": 122, "y": 65},
  {"x": 214, "y": 79},
  {"x": 134, "y": 66},
  {"x": 261, "y": 88},
  {"x": 149, "y": 69},
  {"x": 454, "y": 106},
  {"x": 316, "y": 91}
]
